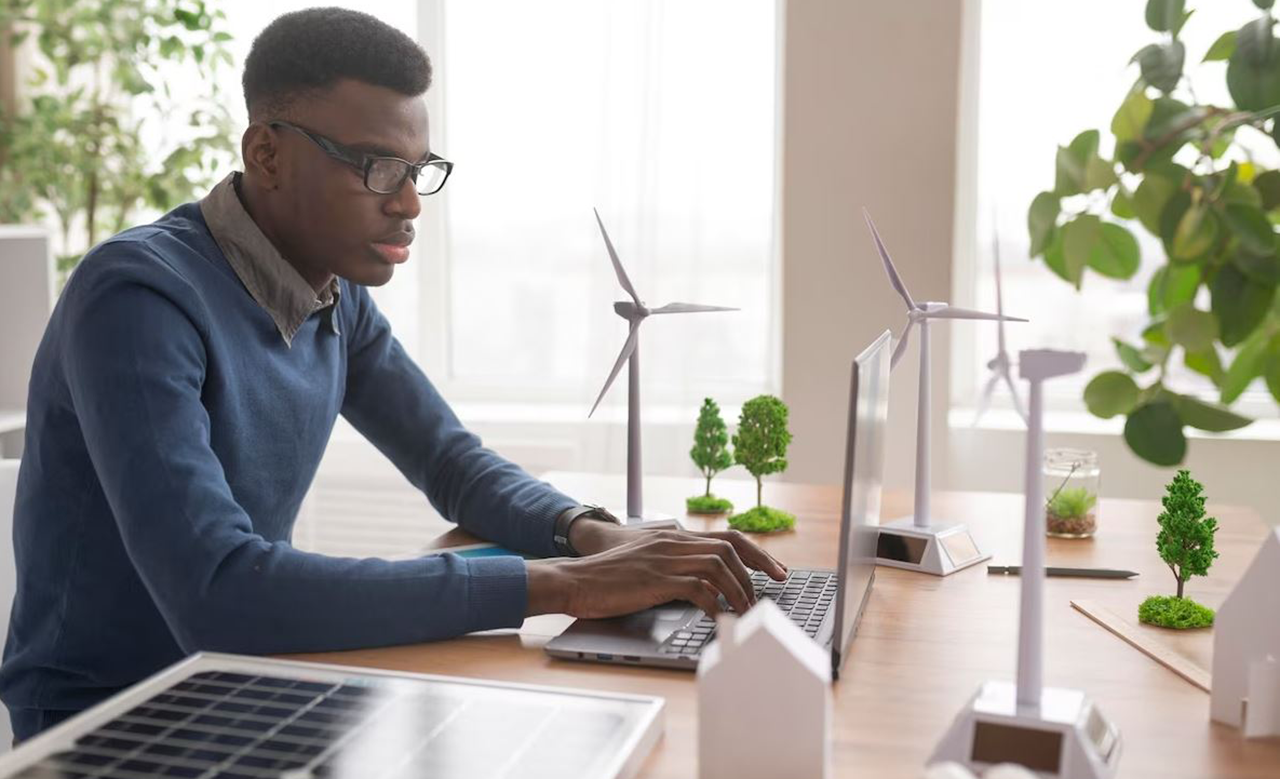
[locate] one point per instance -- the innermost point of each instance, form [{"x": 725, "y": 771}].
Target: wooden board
[{"x": 1136, "y": 637}]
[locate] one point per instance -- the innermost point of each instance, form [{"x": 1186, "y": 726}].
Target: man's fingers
[
  {"x": 699, "y": 593},
  {"x": 752, "y": 554},
  {"x": 714, "y": 570},
  {"x": 704, "y": 545}
]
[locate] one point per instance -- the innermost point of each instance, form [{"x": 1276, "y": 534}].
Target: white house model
[
  {"x": 1246, "y": 648},
  {"x": 764, "y": 700}
]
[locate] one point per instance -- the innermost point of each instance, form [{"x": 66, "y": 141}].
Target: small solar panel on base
[{"x": 228, "y": 717}]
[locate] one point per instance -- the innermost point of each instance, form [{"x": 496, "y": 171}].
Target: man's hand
[{"x": 636, "y": 569}]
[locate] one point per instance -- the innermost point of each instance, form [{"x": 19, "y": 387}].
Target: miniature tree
[
  {"x": 761, "y": 446},
  {"x": 711, "y": 454},
  {"x": 1185, "y": 543}
]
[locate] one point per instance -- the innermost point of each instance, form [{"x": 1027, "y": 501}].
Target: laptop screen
[{"x": 863, "y": 480}]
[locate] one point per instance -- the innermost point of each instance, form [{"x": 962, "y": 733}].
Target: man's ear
[{"x": 261, "y": 155}]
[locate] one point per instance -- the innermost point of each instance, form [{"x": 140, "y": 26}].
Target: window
[
  {"x": 660, "y": 114},
  {"x": 1047, "y": 72}
]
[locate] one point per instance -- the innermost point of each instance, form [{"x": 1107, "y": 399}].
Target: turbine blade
[
  {"x": 623, "y": 356},
  {"x": 687, "y": 308},
  {"x": 617, "y": 264},
  {"x": 1017, "y": 400},
  {"x": 955, "y": 312},
  {"x": 901, "y": 348},
  {"x": 894, "y": 278},
  {"x": 999, "y": 293},
  {"x": 985, "y": 401}
]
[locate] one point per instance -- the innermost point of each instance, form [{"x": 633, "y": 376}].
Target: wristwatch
[{"x": 568, "y": 517}]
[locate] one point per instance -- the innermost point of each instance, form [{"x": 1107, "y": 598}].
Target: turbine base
[{"x": 940, "y": 548}]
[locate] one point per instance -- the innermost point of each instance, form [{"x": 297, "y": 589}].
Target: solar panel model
[{"x": 215, "y": 716}]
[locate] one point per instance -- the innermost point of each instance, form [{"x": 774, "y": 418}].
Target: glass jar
[{"x": 1071, "y": 481}]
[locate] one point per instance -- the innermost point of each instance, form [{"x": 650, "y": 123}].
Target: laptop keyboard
[{"x": 805, "y": 597}]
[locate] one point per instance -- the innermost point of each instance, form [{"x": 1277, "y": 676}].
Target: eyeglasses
[{"x": 382, "y": 175}]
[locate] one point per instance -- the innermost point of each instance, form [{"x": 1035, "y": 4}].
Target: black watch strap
[{"x": 566, "y": 520}]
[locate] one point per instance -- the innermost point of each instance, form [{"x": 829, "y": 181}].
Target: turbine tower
[
  {"x": 635, "y": 312},
  {"x": 1000, "y": 366},
  {"x": 919, "y": 542}
]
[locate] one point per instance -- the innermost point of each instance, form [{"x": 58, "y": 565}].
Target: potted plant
[
  {"x": 1070, "y": 512},
  {"x": 72, "y": 150},
  {"x": 711, "y": 454},
  {"x": 760, "y": 445},
  {"x": 1184, "y": 169},
  {"x": 1185, "y": 543}
]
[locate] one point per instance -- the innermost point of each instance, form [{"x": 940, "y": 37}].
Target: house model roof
[
  {"x": 765, "y": 622},
  {"x": 1260, "y": 580}
]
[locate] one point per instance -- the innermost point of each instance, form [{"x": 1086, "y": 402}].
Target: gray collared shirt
[{"x": 265, "y": 273}]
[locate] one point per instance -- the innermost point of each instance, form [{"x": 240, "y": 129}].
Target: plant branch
[{"x": 1151, "y": 147}]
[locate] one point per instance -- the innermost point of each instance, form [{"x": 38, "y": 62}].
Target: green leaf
[
  {"x": 1249, "y": 364},
  {"x": 1164, "y": 15},
  {"x": 1206, "y": 363},
  {"x": 1115, "y": 254},
  {"x": 1191, "y": 328},
  {"x": 1073, "y": 163},
  {"x": 1111, "y": 393},
  {"x": 1122, "y": 205},
  {"x": 1195, "y": 235},
  {"x": 1273, "y": 370},
  {"x": 1268, "y": 185},
  {"x": 1172, "y": 285},
  {"x": 1161, "y": 64},
  {"x": 1098, "y": 174},
  {"x": 1264, "y": 4},
  {"x": 1151, "y": 197},
  {"x": 1132, "y": 116},
  {"x": 1223, "y": 48},
  {"x": 1253, "y": 72},
  {"x": 1154, "y": 433},
  {"x": 1251, "y": 227},
  {"x": 1131, "y": 357},
  {"x": 1080, "y": 237},
  {"x": 1239, "y": 303},
  {"x": 1262, "y": 268},
  {"x": 1055, "y": 259},
  {"x": 1207, "y": 416},
  {"x": 1041, "y": 219}
]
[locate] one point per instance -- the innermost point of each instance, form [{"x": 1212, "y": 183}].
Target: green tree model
[
  {"x": 711, "y": 454},
  {"x": 760, "y": 445},
  {"x": 1185, "y": 543}
]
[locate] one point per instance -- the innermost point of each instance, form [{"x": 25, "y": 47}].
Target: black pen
[{"x": 1083, "y": 573}]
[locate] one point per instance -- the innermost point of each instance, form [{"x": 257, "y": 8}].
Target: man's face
[{"x": 329, "y": 222}]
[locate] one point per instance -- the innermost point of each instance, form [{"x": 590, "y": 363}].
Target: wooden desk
[{"x": 925, "y": 644}]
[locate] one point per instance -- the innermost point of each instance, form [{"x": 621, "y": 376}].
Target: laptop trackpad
[{"x": 650, "y": 625}]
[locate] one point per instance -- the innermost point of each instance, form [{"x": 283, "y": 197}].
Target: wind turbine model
[
  {"x": 1055, "y": 732},
  {"x": 918, "y": 542},
  {"x": 635, "y": 312},
  {"x": 999, "y": 365}
]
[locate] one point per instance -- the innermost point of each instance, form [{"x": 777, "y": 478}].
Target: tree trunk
[
  {"x": 759, "y": 488},
  {"x": 708, "y": 486},
  {"x": 1180, "y": 583}
]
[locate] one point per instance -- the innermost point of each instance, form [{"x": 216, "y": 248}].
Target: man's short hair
[{"x": 305, "y": 52}]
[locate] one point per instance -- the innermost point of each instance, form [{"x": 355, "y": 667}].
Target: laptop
[{"x": 827, "y": 605}]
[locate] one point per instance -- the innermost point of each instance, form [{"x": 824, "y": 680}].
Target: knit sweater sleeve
[
  {"x": 136, "y": 361},
  {"x": 391, "y": 402}
]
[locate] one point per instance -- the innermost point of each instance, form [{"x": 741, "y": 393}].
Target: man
[{"x": 187, "y": 384}]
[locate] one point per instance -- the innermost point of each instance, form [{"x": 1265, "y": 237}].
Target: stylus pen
[{"x": 1083, "y": 573}]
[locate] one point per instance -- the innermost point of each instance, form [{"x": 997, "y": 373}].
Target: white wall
[{"x": 870, "y": 97}]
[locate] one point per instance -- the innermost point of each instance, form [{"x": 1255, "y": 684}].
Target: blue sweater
[{"x": 171, "y": 437}]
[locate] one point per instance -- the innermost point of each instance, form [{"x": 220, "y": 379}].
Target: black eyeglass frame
[{"x": 363, "y": 161}]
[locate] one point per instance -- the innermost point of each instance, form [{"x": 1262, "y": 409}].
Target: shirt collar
[{"x": 274, "y": 283}]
